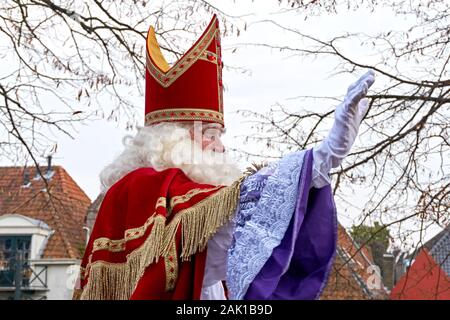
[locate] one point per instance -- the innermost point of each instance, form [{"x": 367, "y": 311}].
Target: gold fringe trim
[
  {"x": 201, "y": 221},
  {"x": 255, "y": 167},
  {"x": 117, "y": 281}
]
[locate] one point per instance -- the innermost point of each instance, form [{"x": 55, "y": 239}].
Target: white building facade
[{"x": 22, "y": 243}]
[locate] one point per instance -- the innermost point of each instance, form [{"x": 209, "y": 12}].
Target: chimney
[
  {"x": 49, "y": 170},
  {"x": 49, "y": 164},
  {"x": 387, "y": 270},
  {"x": 26, "y": 177}
]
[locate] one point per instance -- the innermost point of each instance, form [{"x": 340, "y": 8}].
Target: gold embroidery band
[
  {"x": 209, "y": 57},
  {"x": 161, "y": 202},
  {"x": 108, "y": 244},
  {"x": 171, "y": 265},
  {"x": 181, "y": 66},
  {"x": 189, "y": 195},
  {"x": 129, "y": 234},
  {"x": 183, "y": 114},
  {"x": 82, "y": 273}
]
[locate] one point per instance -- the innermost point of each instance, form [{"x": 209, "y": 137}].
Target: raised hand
[
  {"x": 350, "y": 113},
  {"x": 348, "y": 116}
]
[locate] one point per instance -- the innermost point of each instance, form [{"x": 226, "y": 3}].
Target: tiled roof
[
  {"x": 62, "y": 205},
  {"x": 430, "y": 243},
  {"x": 350, "y": 276},
  {"x": 438, "y": 247},
  {"x": 424, "y": 280},
  {"x": 342, "y": 284},
  {"x": 440, "y": 251}
]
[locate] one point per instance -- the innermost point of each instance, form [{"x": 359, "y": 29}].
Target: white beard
[
  {"x": 203, "y": 166},
  {"x": 168, "y": 145}
]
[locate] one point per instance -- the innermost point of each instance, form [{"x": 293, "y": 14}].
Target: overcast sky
[{"x": 274, "y": 77}]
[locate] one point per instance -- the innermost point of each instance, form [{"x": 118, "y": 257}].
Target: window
[{"x": 13, "y": 249}]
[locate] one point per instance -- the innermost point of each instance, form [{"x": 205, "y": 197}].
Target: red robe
[{"x": 149, "y": 239}]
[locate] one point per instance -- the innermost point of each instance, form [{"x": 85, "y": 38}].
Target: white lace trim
[{"x": 267, "y": 203}]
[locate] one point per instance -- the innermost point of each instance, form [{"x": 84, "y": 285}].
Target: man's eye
[{"x": 211, "y": 134}]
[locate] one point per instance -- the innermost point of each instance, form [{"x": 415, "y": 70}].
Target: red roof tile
[{"x": 350, "y": 273}]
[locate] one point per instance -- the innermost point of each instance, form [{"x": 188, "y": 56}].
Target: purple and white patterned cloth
[{"x": 285, "y": 233}]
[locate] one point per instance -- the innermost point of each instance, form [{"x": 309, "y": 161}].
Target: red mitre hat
[{"x": 191, "y": 89}]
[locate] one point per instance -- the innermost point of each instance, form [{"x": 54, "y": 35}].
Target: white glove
[{"x": 348, "y": 116}]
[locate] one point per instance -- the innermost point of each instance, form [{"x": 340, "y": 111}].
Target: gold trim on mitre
[
  {"x": 183, "y": 114},
  {"x": 157, "y": 65}
]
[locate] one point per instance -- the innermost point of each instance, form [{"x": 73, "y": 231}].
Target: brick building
[{"x": 354, "y": 275}]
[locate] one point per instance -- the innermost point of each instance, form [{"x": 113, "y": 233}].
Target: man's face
[{"x": 208, "y": 135}]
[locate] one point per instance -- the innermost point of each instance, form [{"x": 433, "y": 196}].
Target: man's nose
[{"x": 219, "y": 147}]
